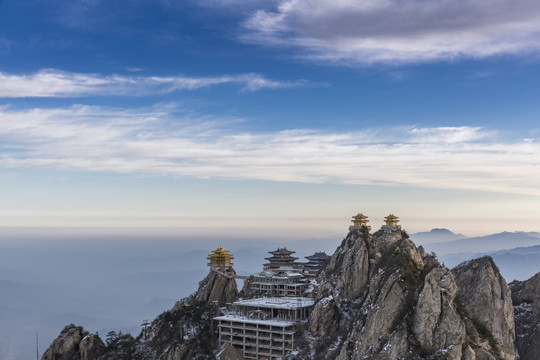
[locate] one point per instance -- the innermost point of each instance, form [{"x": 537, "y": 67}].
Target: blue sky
[{"x": 288, "y": 116}]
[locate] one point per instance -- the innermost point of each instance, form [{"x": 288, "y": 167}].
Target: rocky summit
[
  {"x": 526, "y": 300},
  {"x": 378, "y": 297},
  {"x": 381, "y": 297}
]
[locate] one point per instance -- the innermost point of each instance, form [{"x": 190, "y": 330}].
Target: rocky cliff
[
  {"x": 380, "y": 297},
  {"x": 74, "y": 343},
  {"x": 219, "y": 286},
  {"x": 526, "y": 300},
  {"x": 486, "y": 297}
]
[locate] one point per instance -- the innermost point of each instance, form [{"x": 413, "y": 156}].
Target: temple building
[
  {"x": 359, "y": 221},
  {"x": 263, "y": 328},
  {"x": 280, "y": 259},
  {"x": 220, "y": 258},
  {"x": 391, "y": 223},
  {"x": 315, "y": 263}
]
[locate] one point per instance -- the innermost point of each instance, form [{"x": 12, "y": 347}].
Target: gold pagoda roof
[
  {"x": 391, "y": 220},
  {"x": 360, "y": 220},
  {"x": 220, "y": 256}
]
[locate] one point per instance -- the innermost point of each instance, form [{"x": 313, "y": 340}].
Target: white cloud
[
  {"x": 399, "y": 31},
  {"x": 55, "y": 83},
  {"x": 160, "y": 141}
]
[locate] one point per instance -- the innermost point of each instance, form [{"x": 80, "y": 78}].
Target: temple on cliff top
[
  {"x": 220, "y": 258},
  {"x": 264, "y": 327}
]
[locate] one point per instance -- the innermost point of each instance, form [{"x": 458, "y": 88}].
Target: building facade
[
  {"x": 263, "y": 328},
  {"x": 285, "y": 282}
]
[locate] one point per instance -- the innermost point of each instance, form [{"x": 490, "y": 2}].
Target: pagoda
[
  {"x": 359, "y": 221},
  {"x": 391, "y": 220},
  {"x": 220, "y": 258},
  {"x": 391, "y": 223},
  {"x": 280, "y": 258},
  {"x": 315, "y": 263}
]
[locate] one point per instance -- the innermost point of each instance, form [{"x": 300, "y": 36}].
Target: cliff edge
[
  {"x": 526, "y": 300},
  {"x": 381, "y": 297}
]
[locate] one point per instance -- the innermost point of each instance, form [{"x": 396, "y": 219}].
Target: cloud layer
[
  {"x": 55, "y": 83},
  {"x": 161, "y": 141},
  {"x": 399, "y": 31}
]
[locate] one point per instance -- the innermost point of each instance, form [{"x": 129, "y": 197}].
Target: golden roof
[
  {"x": 391, "y": 220},
  {"x": 360, "y": 220},
  {"x": 220, "y": 256}
]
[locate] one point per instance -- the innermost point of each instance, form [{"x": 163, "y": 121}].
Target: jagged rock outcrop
[
  {"x": 436, "y": 324},
  {"x": 382, "y": 298},
  {"x": 526, "y": 300},
  {"x": 487, "y": 298},
  {"x": 347, "y": 269},
  {"x": 325, "y": 317},
  {"x": 74, "y": 343},
  {"x": 218, "y": 286}
]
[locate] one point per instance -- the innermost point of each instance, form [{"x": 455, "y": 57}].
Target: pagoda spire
[
  {"x": 391, "y": 220},
  {"x": 280, "y": 258},
  {"x": 220, "y": 258},
  {"x": 391, "y": 223},
  {"x": 359, "y": 220}
]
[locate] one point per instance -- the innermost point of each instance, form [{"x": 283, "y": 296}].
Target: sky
[{"x": 268, "y": 118}]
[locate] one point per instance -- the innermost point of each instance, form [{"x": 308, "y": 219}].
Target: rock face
[
  {"x": 487, "y": 298},
  {"x": 436, "y": 323},
  {"x": 382, "y": 298},
  {"x": 347, "y": 269},
  {"x": 526, "y": 300},
  {"x": 74, "y": 343},
  {"x": 218, "y": 286}
]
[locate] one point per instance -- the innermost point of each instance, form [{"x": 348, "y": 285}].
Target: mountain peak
[{"x": 436, "y": 235}]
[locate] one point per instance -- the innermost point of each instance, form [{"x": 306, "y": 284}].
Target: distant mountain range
[
  {"x": 435, "y": 236},
  {"x": 517, "y": 254},
  {"x": 500, "y": 241}
]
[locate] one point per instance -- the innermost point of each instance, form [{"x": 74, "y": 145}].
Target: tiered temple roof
[
  {"x": 280, "y": 257},
  {"x": 318, "y": 257},
  {"x": 360, "y": 220},
  {"x": 391, "y": 220},
  {"x": 315, "y": 263},
  {"x": 220, "y": 257}
]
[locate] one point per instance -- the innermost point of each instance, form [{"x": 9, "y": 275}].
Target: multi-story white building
[
  {"x": 283, "y": 282},
  {"x": 263, "y": 328}
]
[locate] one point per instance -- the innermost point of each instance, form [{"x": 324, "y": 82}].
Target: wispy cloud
[
  {"x": 55, "y": 83},
  {"x": 399, "y": 31},
  {"x": 161, "y": 141}
]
